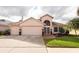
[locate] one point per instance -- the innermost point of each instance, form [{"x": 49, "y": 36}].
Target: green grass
[{"x": 65, "y": 41}]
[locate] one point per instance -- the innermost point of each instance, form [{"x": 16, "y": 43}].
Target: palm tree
[
  {"x": 78, "y": 11},
  {"x": 74, "y": 24}
]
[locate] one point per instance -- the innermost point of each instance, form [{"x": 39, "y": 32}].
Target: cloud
[
  {"x": 61, "y": 13},
  {"x": 14, "y": 10},
  {"x": 56, "y": 10},
  {"x": 23, "y": 10}
]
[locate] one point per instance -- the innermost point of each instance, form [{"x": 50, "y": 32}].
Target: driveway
[{"x": 22, "y": 44}]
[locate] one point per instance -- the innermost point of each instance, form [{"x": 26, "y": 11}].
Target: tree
[
  {"x": 74, "y": 24},
  {"x": 78, "y": 11}
]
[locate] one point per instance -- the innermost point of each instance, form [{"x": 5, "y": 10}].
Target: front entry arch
[{"x": 46, "y": 29}]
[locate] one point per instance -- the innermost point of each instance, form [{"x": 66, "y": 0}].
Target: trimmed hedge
[{"x": 6, "y": 32}]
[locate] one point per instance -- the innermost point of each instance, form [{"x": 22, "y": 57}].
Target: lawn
[{"x": 63, "y": 42}]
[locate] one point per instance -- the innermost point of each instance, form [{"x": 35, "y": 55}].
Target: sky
[{"x": 61, "y": 14}]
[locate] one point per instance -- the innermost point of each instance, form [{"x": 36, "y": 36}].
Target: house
[
  {"x": 3, "y": 27},
  {"x": 4, "y": 24},
  {"x": 32, "y": 26}
]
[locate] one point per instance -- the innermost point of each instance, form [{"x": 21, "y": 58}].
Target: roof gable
[{"x": 31, "y": 22}]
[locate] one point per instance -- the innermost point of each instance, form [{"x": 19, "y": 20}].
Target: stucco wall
[{"x": 47, "y": 18}]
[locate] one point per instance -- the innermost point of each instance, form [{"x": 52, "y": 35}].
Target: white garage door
[
  {"x": 14, "y": 31},
  {"x": 31, "y": 30}
]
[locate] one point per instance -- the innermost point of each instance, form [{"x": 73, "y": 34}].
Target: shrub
[
  {"x": 61, "y": 30},
  {"x": 7, "y": 32},
  {"x": 1, "y": 32},
  {"x": 67, "y": 32}
]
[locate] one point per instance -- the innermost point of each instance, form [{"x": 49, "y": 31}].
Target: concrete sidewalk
[
  {"x": 63, "y": 50},
  {"x": 39, "y": 50},
  {"x": 23, "y": 50}
]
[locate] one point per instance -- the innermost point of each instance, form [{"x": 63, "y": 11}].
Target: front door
[{"x": 46, "y": 31}]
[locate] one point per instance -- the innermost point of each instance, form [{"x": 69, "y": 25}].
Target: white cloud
[
  {"x": 61, "y": 13},
  {"x": 71, "y": 12}
]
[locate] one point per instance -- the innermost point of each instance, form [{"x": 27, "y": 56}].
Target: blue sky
[{"x": 61, "y": 14}]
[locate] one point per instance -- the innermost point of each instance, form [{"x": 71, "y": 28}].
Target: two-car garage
[{"x": 30, "y": 26}]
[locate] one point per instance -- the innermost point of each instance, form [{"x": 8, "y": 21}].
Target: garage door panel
[
  {"x": 31, "y": 30},
  {"x": 14, "y": 31}
]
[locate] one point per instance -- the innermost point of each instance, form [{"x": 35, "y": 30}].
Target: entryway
[{"x": 46, "y": 31}]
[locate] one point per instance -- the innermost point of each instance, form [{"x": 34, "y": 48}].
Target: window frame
[{"x": 56, "y": 29}]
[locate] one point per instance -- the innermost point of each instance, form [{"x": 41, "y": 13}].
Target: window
[
  {"x": 47, "y": 23},
  {"x": 55, "y": 29}
]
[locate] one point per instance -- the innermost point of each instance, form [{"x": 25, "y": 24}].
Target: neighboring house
[
  {"x": 4, "y": 24},
  {"x": 32, "y": 26},
  {"x": 3, "y": 27}
]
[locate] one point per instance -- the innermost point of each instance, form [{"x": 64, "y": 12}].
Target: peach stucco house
[
  {"x": 4, "y": 25},
  {"x": 32, "y": 26}
]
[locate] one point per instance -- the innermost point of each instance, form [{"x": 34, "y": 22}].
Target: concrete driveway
[{"x": 22, "y": 44}]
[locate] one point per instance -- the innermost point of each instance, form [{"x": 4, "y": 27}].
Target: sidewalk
[
  {"x": 63, "y": 50},
  {"x": 23, "y": 50},
  {"x": 39, "y": 50}
]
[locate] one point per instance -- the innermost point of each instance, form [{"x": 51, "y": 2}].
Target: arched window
[{"x": 46, "y": 23}]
